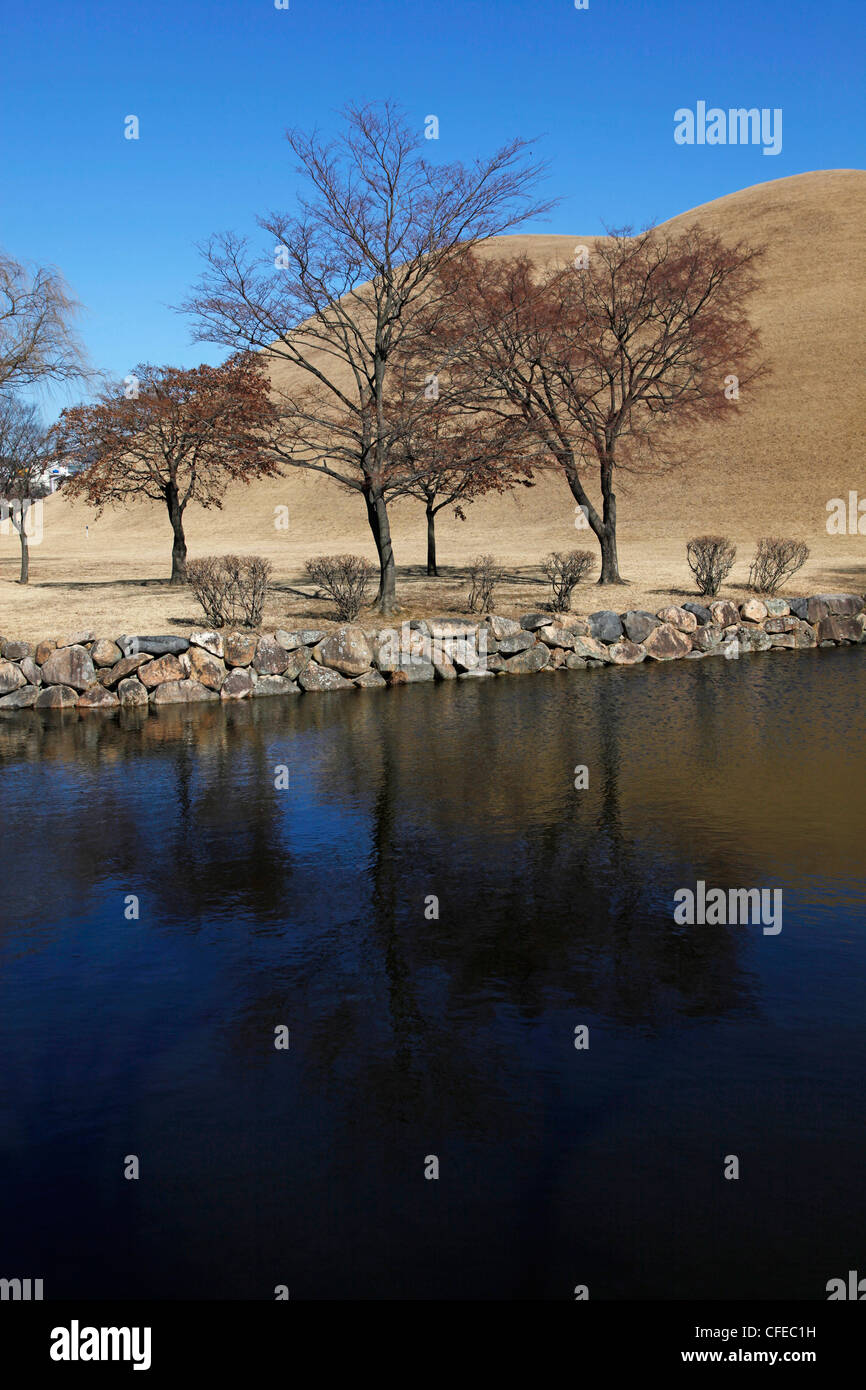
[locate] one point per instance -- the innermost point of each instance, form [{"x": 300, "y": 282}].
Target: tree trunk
[
  {"x": 431, "y": 541},
  {"x": 377, "y": 515},
  {"x": 24, "y": 577},
  {"x": 607, "y": 537},
  {"x": 178, "y": 549}
]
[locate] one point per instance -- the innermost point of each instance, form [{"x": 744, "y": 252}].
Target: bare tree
[
  {"x": 604, "y": 359},
  {"x": 37, "y": 339},
  {"x": 24, "y": 456},
  {"x": 339, "y": 290}
]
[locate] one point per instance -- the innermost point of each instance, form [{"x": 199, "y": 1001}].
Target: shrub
[
  {"x": 711, "y": 559},
  {"x": 484, "y": 575},
  {"x": 344, "y": 579},
  {"x": 230, "y": 588},
  {"x": 564, "y": 570},
  {"x": 776, "y": 559}
]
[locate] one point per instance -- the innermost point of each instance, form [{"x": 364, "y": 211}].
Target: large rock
[
  {"x": 44, "y": 650},
  {"x": 296, "y": 662},
  {"x": 213, "y": 642},
  {"x": 553, "y": 636},
  {"x": 238, "y": 684},
  {"x": 708, "y": 640},
  {"x": 16, "y": 651},
  {"x": 626, "y": 653},
  {"x": 270, "y": 659},
  {"x": 160, "y": 672},
  {"x": 125, "y": 668},
  {"x": 131, "y": 693},
  {"x": 276, "y": 685},
  {"x": 724, "y": 612},
  {"x": 805, "y": 635},
  {"x": 503, "y": 627},
  {"x": 395, "y": 648},
  {"x": 516, "y": 642},
  {"x": 56, "y": 697},
  {"x": 315, "y": 677},
  {"x": 97, "y": 697},
  {"x": 451, "y": 627},
  {"x": 525, "y": 663},
  {"x": 153, "y": 646},
  {"x": 307, "y": 637},
  {"x": 754, "y": 610},
  {"x": 77, "y": 639},
  {"x": 411, "y": 675},
  {"x": 30, "y": 671},
  {"x": 785, "y": 639},
  {"x": 200, "y": 665},
  {"x": 530, "y": 622},
  {"x": 839, "y": 630},
  {"x": 20, "y": 699},
  {"x": 639, "y": 624},
  {"x": 840, "y": 605},
  {"x": 463, "y": 654},
  {"x": 777, "y": 625},
  {"x": 701, "y": 612},
  {"x": 181, "y": 693},
  {"x": 104, "y": 652},
  {"x": 289, "y": 641},
  {"x": 240, "y": 648},
  {"x": 666, "y": 643},
  {"x": 370, "y": 680},
  {"x": 680, "y": 618},
  {"x": 605, "y": 626},
  {"x": 575, "y": 662},
  {"x": 10, "y": 678},
  {"x": 69, "y": 666},
  {"x": 347, "y": 650},
  {"x": 590, "y": 649},
  {"x": 444, "y": 669},
  {"x": 777, "y": 607}
]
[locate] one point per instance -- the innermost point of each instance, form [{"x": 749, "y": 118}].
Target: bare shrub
[
  {"x": 711, "y": 559},
  {"x": 776, "y": 560},
  {"x": 564, "y": 570},
  {"x": 230, "y": 588},
  {"x": 344, "y": 579},
  {"x": 484, "y": 575}
]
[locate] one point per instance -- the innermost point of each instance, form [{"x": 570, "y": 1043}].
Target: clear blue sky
[{"x": 215, "y": 83}]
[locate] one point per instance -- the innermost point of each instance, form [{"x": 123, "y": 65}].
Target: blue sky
[{"x": 215, "y": 83}]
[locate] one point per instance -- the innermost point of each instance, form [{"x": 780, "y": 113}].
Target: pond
[{"x": 476, "y": 967}]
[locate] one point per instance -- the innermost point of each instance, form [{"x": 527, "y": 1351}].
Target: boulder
[
  {"x": 30, "y": 671},
  {"x": 97, "y": 697},
  {"x": 213, "y": 642},
  {"x": 707, "y": 639},
  {"x": 639, "y": 624},
  {"x": 557, "y": 659},
  {"x": 816, "y": 609},
  {"x": 784, "y": 639},
  {"x": 777, "y": 625},
  {"x": 16, "y": 651},
  {"x": 753, "y": 639},
  {"x": 530, "y": 622},
  {"x": 240, "y": 648},
  {"x": 463, "y": 654},
  {"x": 805, "y": 635},
  {"x": 370, "y": 680},
  {"x": 44, "y": 650},
  {"x": 517, "y": 642},
  {"x": 347, "y": 650},
  {"x": 315, "y": 677},
  {"x": 104, "y": 652},
  {"x": 10, "y": 678},
  {"x": 238, "y": 684},
  {"x": 69, "y": 666},
  {"x": 626, "y": 653},
  {"x": 495, "y": 663},
  {"x": 839, "y": 630},
  {"x": 113, "y": 675},
  {"x": 201, "y": 665},
  {"x": 799, "y": 607},
  {"x": 444, "y": 669},
  {"x": 590, "y": 649},
  {"x": 296, "y": 661},
  {"x": 308, "y": 637},
  {"x": 680, "y": 618},
  {"x": 527, "y": 662},
  {"x": 24, "y": 698},
  {"x": 777, "y": 607},
  {"x": 56, "y": 697},
  {"x": 275, "y": 685},
  {"x": 575, "y": 662},
  {"x": 666, "y": 643},
  {"x": 724, "y": 613},
  {"x": 394, "y": 648},
  {"x": 153, "y": 646},
  {"x": 701, "y": 612},
  {"x": 409, "y": 675},
  {"x": 841, "y": 605},
  {"x": 131, "y": 693},
  {"x": 77, "y": 639},
  {"x": 289, "y": 641},
  {"x": 754, "y": 610},
  {"x": 478, "y": 673},
  {"x": 553, "y": 636},
  {"x": 605, "y": 626},
  {"x": 270, "y": 659},
  {"x": 161, "y": 671},
  {"x": 503, "y": 627},
  {"x": 451, "y": 627},
  {"x": 180, "y": 693}
]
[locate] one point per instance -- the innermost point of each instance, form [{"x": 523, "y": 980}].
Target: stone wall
[{"x": 83, "y": 671}]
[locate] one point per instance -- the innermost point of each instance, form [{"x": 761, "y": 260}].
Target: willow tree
[
  {"x": 336, "y": 291},
  {"x": 607, "y": 360}
]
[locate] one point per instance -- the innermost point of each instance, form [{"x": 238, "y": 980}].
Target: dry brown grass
[{"x": 772, "y": 470}]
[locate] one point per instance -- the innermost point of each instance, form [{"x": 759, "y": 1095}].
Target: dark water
[{"x": 412, "y": 1036}]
